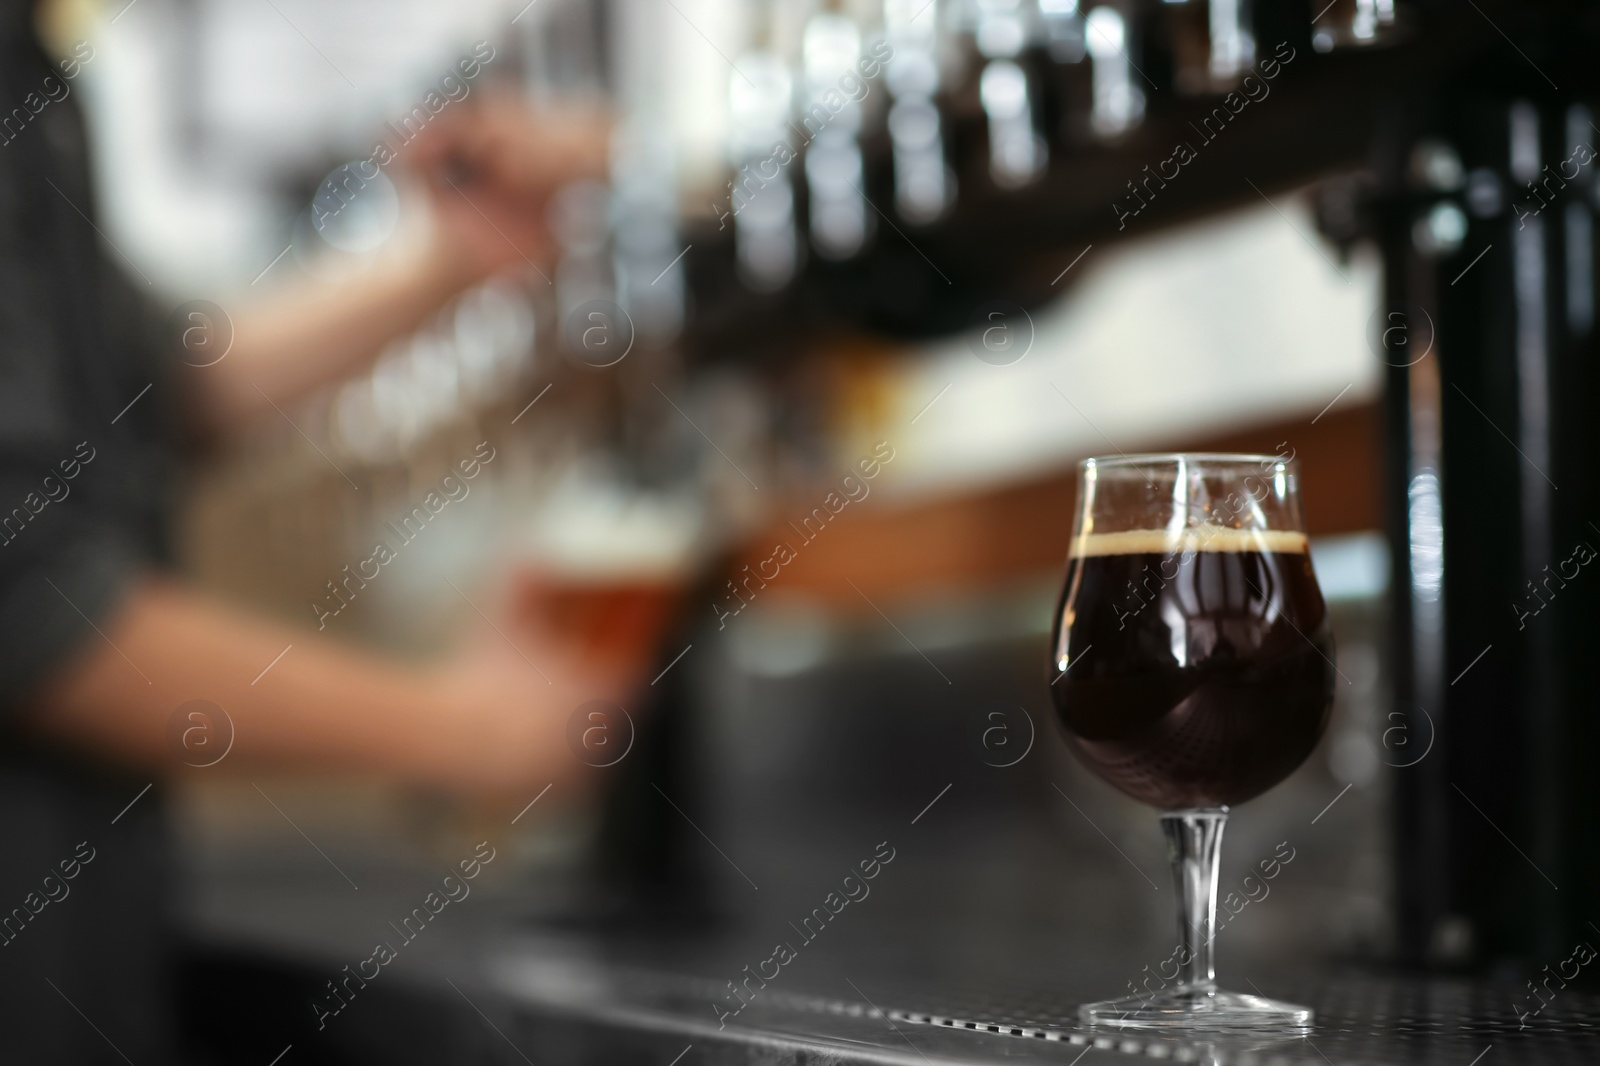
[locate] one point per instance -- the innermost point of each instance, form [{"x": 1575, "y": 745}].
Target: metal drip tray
[
  {"x": 1360, "y": 1020},
  {"x": 1365, "y": 1020}
]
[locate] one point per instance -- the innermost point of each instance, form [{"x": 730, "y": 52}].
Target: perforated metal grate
[{"x": 1365, "y": 1020}]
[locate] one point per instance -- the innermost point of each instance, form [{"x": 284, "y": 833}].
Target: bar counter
[{"x": 508, "y": 995}]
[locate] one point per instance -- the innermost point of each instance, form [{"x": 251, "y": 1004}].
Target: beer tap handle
[
  {"x": 1017, "y": 153},
  {"x": 1355, "y": 24},
  {"x": 1118, "y": 100},
  {"x": 1063, "y": 30},
  {"x": 924, "y": 185},
  {"x": 840, "y": 220},
  {"x": 761, "y": 196}
]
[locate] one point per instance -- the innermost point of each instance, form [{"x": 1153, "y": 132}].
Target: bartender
[{"x": 99, "y": 643}]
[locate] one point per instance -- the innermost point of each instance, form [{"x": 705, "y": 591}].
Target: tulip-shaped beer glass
[{"x": 1193, "y": 670}]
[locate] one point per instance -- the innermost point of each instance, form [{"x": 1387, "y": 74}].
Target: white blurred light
[
  {"x": 1118, "y": 102},
  {"x": 356, "y": 207},
  {"x": 1003, "y": 90}
]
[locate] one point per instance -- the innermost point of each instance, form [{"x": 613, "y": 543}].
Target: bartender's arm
[{"x": 489, "y": 720}]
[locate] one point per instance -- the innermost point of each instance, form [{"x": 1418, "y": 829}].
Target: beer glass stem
[{"x": 1194, "y": 847}]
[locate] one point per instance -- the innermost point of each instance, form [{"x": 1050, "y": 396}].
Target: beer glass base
[{"x": 1195, "y": 1008}]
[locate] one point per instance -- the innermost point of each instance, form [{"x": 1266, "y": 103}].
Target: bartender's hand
[
  {"x": 493, "y": 167},
  {"x": 508, "y": 695}
]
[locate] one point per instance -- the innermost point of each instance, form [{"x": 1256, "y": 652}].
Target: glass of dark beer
[{"x": 1193, "y": 670}]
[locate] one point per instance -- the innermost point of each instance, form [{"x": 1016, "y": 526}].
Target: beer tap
[
  {"x": 1118, "y": 102},
  {"x": 645, "y": 177},
  {"x": 1063, "y": 29},
  {"x": 1355, "y": 23},
  {"x": 831, "y": 121},
  {"x": 1017, "y": 153},
  {"x": 1233, "y": 42},
  {"x": 924, "y": 186},
  {"x": 645, "y": 212},
  {"x": 761, "y": 194},
  {"x": 1212, "y": 43},
  {"x": 580, "y": 222}
]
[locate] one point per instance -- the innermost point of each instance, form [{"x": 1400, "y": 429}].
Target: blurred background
[{"x": 970, "y": 242}]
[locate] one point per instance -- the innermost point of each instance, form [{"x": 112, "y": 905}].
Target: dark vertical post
[{"x": 1486, "y": 228}]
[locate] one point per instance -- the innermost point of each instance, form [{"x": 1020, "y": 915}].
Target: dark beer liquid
[{"x": 1192, "y": 673}]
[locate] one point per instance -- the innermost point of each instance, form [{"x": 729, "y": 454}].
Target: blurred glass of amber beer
[{"x": 612, "y": 585}]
